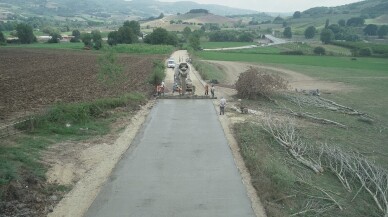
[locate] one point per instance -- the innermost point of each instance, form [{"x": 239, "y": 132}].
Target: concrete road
[{"x": 179, "y": 165}]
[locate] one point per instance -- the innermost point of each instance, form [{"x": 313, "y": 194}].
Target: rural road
[{"x": 179, "y": 164}]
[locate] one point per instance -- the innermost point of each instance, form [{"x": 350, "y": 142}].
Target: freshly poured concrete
[{"x": 179, "y": 165}]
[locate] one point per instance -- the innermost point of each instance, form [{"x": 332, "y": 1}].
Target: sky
[{"x": 273, "y": 5}]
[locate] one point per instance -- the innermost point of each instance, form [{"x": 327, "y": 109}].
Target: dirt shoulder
[
  {"x": 88, "y": 165},
  {"x": 296, "y": 80}
]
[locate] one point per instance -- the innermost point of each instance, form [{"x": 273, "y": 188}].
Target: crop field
[
  {"x": 121, "y": 48},
  {"x": 373, "y": 64},
  {"x": 212, "y": 45},
  {"x": 44, "y": 77}
]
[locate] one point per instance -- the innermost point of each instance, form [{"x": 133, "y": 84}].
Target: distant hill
[
  {"x": 105, "y": 9},
  {"x": 367, "y": 8},
  {"x": 192, "y": 20}
]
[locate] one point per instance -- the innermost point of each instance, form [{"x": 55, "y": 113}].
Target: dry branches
[
  {"x": 349, "y": 167},
  {"x": 284, "y": 133}
]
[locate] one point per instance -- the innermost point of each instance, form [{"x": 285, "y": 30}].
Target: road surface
[{"x": 179, "y": 165}]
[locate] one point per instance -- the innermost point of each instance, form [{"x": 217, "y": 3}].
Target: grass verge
[{"x": 20, "y": 156}]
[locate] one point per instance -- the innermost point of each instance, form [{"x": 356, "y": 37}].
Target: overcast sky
[{"x": 273, "y": 5}]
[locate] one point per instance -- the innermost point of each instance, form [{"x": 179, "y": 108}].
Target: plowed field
[{"x": 32, "y": 79}]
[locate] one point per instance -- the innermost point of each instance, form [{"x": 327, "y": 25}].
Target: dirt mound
[{"x": 32, "y": 79}]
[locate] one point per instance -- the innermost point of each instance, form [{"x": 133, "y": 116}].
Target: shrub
[
  {"x": 320, "y": 50},
  {"x": 366, "y": 52},
  {"x": 158, "y": 73},
  {"x": 292, "y": 52},
  {"x": 254, "y": 83}
]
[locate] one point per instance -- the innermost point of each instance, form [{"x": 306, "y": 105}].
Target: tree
[
  {"x": 310, "y": 32},
  {"x": 3, "y": 41},
  {"x": 342, "y": 22},
  {"x": 246, "y": 37},
  {"x": 355, "y": 21},
  {"x": 76, "y": 36},
  {"x": 371, "y": 29},
  {"x": 367, "y": 51},
  {"x": 383, "y": 31},
  {"x": 287, "y": 32},
  {"x": 186, "y": 32},
  {"x": 194, "y": 41},
  {"x": 327, "y": 36},
  {"x": 113, "y": 38},
  {"x": 297, "y": 14},
  {"x": 319, "y": 50},
  {"x": 97, "y": 39},
  {"x": 161, "y": 36},
  {"x": 55, "y": 38},
  {"x": 25, "y": 33},
  {"x": 278, "y": 20},
  {"x": 134, "y": 25},
  {"x": 327, "y": 23},
  {"x": 126, "y": 35},
  {"x": 87, "y": 40}
]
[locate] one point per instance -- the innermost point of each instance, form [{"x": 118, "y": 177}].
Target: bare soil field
[{"x": 32, "y": 79}]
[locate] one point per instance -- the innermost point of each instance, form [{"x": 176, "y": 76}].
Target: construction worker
[
  {"x": 212, "y": 90},
  {"x": 222, "y": 105},
  {"x": 206, "y": 89}
]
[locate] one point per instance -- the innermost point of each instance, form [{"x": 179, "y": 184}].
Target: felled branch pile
[
  {"x": 321, "y": 102},
  {"x": 284, "y": 133},
  {"x": 350, "y": 167},
  {"x": 353, "y": 166}
]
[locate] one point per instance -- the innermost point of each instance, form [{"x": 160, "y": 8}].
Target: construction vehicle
[{"x": 182, "y": 78}]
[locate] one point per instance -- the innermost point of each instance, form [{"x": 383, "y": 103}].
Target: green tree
[
  {"x": 297, "y": 14},
  {"x": 186, "y": 32},
  {"x": 87, "y": 39},
  {"x": 310, "y": 32},
  {"x": 97, "y": 39},
  {"x": 319, "y": 50},
  {"x": 327, "y": 35},
  {"x": 287, "y": 32},
  {"x": 76, "y": 36},
  {"x": 366, "y": 51},
  {"x": 3, "y": 41},
  {"x": 342, "y": 22},
  {"x": 161, "y": 36},
  {"x": 194, "y": 41},
  {"x": 278, "y": 20},
  {"x": 55, "y": 38},
  {"x": 371, "y": 29},
  {"x": 327, "y": 23},
  {"x": 134, "y": 25},
  {"x": 355, "y": 21},
  {"x": 25, "y": 33},
  {"x": 113, "y": 38},
  {"x": 383, "y": 31}
]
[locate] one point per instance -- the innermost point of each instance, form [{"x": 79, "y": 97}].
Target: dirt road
[
  {"x": 90, "y": 165},
  {"x": 295, "y": 79}
]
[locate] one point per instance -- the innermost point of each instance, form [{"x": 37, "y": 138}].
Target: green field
[
  {"x": 121, "y": 48},
  {"x": 370, "y": 64},
  {"x": 275, "y": 174},
  {"x": 213, "y": 45}
]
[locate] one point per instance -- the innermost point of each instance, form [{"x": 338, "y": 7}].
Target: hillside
[
  {"x": 100, "y": 10},
  {"x": 192, "y": 20}
]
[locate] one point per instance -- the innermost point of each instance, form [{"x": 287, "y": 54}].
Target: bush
[
  {"x": 293, "y": 52},
  {"x": 320, "y": 50},
  {"x": 158, "y": 73},
  {"x": 366, "y": 52},
  {"x": 253, "y": 83}
]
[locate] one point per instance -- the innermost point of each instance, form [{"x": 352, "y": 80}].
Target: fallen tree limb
[{"x": 321, "y": 120}]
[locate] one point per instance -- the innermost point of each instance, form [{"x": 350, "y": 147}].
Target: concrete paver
[{"x": 179, "y": 165}]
